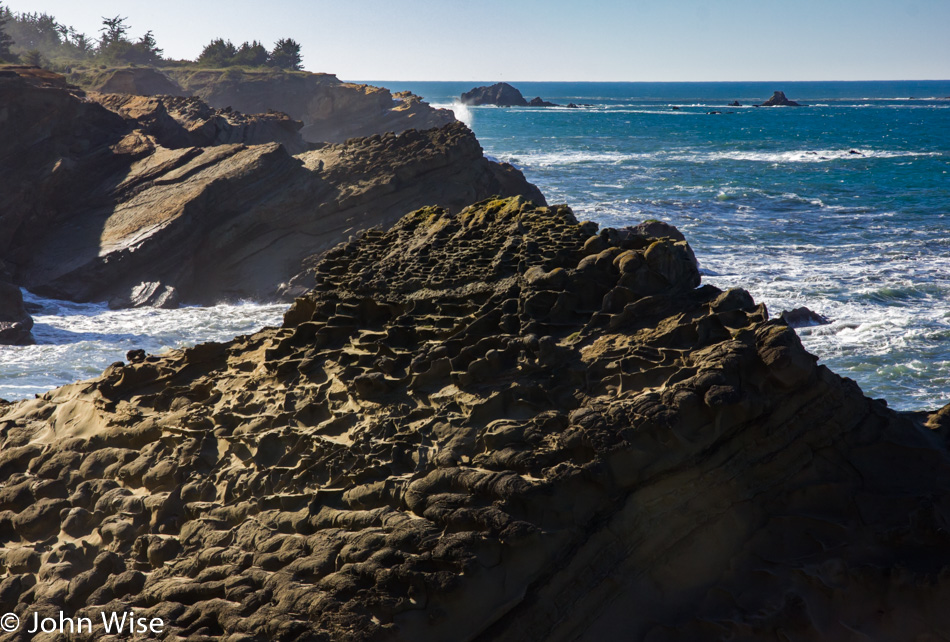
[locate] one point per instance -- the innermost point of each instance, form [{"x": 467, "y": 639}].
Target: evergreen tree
[
  {"x": 286, "y": 55},
  {"x": 5, "y": 40},
  {"x": 251, "y": 55},
  {"x": 114, "y": 45},
  {"x": 113, "y": 31},
  {"x": 217, "y": 53}
]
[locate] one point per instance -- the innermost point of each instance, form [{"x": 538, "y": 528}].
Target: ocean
[{"x": 842, "y": 206}]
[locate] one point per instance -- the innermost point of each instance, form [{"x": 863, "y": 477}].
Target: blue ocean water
[{"x": 842, "y": 205}]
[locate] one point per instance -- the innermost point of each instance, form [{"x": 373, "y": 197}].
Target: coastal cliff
[
  {"x": 330, "y": 110},
  {"x": 160, "y": 200},
  {"x": 496, "y": 424}
]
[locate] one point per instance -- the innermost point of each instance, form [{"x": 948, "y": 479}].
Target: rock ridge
[
  {"x": 160, "y": 200},
  {"x": 497, "y": 424}
]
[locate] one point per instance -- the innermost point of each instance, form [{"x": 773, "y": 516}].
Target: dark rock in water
[
  {"x": 15, "y": 322},
  {"x": 155, "y": 200},
  {"x": 653, "y": 228},
  {"x": 855, "y": 152},
  {"x": 538, "y": 102},
  {"x": 735, "y": 103},
  {"x": 675, "y": 108},
  {"x": 491, "y": 423},
  {"x": 778, "y": 99},
  {"x": 714, "y": 112},
  {"x": 500, "y": 94},
  {"x": 803, "y": 317}
]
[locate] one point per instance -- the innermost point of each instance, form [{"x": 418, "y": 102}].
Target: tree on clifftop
[
  {"x": 115, "y": 46},
  {"x": 286, "y": 55},
  {"x": 217, "y": 53},
  {"x": 5, "y": 41},
  {"x": 251, "y": 54}
]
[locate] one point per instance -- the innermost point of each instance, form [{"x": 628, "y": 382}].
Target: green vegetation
[
  {"x": 5, "y": 40},
  {"x": 38, "y": 39},
  {"x": 221, "y": 53}
]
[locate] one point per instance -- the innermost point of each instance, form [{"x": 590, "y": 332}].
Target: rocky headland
[
  {"x": 160, "y": 200},
  {"x": 330, "y": 110},
  {"x": 496, "y": 424}
]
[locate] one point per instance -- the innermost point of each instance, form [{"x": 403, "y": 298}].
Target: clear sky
[{"x": 609, "y": 40}]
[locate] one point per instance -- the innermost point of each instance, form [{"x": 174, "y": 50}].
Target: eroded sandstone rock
[
  {"x": 495, "y": 425},
  {"x": 154, "y": 200},
  {"x": 331, "y": 110}
]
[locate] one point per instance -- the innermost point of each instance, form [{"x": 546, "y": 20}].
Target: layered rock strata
[
  {"x": 496, "y": 425},
  {"x": 331, "y": 110},
  {"x": 159, "y": 200}
]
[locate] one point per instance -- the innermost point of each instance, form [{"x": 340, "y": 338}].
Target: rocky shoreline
[
  {"x": 159, "y": 200},
  {"x": 499, "y": 421},
  {"x": 482, "y": 419}
]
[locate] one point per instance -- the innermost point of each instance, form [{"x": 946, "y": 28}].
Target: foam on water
[{"x": 79, "y": 340}]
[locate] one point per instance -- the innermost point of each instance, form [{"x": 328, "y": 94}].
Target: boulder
[
  {"x": 500, "y": 94},
  {"x": 476, "y": 423},
  {"x": 539, "y": 102},
  {"x": 802, "y": 318},
  {"x": 778, "y": 99},
  {"x": 15, "y": 322}
]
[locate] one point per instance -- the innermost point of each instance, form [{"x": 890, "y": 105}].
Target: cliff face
[
  {"x": 158, "y": 200},
  {"x": 496, "y": 425},
  {"x": 331, "y": 110},
  {"x": 177, "y": 122}
]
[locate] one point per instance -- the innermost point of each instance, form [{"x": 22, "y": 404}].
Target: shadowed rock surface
[
  {"x": 15, "y": 322},
  {"x": 501, "y": 94},
  {"x": 495, "y": 425},
  {"x": 140, "y": 81},
  {"x": 158, "y": 200}
]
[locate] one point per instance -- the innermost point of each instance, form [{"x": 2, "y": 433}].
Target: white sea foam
[
  {"x": 462, "y": 112},
  {"x": 544, "y": 159},
  {"x": 78, "y": 340}
]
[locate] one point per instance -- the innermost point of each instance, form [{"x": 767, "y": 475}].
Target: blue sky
[{"x": 636, "y": 40}]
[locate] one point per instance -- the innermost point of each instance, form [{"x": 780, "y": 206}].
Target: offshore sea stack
[
  {"x": 160, "y": 200},
  {"x": 500, "y": 424},
  {"x": 500, "y": 94},
  {"x": 778, "y": 99}
]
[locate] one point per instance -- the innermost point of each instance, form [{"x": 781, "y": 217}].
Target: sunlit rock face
[{"x": 499, "y": 424}]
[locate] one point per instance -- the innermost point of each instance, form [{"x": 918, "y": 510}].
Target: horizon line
[{"x": 630, "y": 82}]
